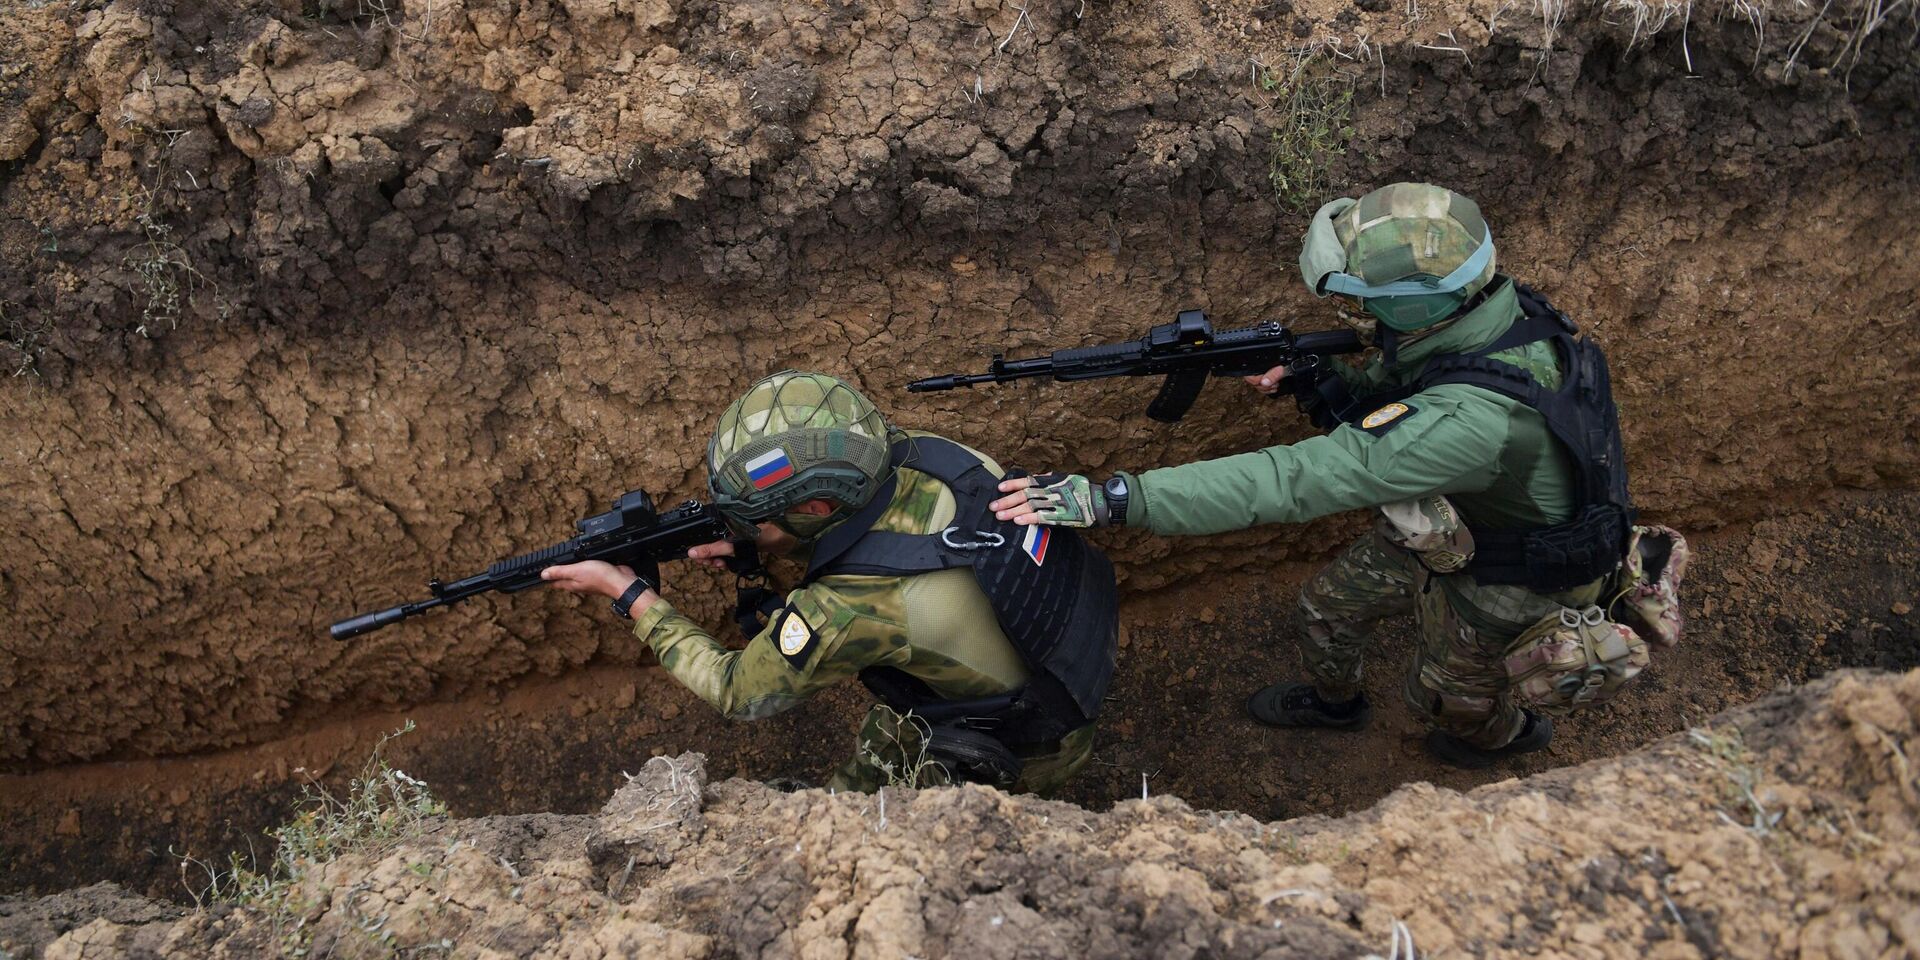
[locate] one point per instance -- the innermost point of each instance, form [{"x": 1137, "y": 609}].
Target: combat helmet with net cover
[{"x": 796, "y": 437}]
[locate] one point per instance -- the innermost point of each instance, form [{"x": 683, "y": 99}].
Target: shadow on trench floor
[{"x": 1775, "y": 603}]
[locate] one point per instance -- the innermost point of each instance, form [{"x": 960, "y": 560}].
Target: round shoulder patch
[
  {"x": 1384, "y": 416},
  {"x": 794, "y": 634}
]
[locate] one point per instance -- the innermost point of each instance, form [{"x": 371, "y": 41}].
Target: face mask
[
  {"x": 805, "y": 526},
  {"x": 1410, "y": 314}
]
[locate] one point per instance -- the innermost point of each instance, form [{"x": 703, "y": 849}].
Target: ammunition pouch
[
  {"x": 1556, "y": 558},
  {"x": 1572, "y": 658},
  {"x": 1429, "y": 528},
  {"x": 1576, "y": 657}
]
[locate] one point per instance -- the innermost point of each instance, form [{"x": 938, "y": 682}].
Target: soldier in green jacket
[
  {"x": 986, "y": 668},
  {"x": 1487, "y": 439}
]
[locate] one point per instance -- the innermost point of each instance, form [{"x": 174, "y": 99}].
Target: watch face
[{"x": 1116, "y": 487}]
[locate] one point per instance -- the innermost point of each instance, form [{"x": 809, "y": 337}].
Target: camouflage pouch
[
  {"x": 1572, "y": 658},
  {"x": 1576, "y": 657},
  {"x": 1431, "y": 529},
  {"x": 1647, "y": 595}
]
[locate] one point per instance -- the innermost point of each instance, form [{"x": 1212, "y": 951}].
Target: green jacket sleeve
[
  {"x": 823, "y": 636},
  {"x": 1448, "y": 440}
]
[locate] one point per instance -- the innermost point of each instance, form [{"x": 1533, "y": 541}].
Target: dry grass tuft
[
  {"x": 382, "y": 808},
  {"x": 1314, "y": 129}
]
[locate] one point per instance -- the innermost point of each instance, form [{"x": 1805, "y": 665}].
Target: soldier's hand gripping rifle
[
  {"x": 1186, "y": 352},
  {"x": 629, "y": 535}
]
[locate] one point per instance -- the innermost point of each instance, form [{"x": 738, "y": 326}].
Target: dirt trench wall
[
  {"x": 309, "y": 302},
  {"x": 1783, "y": 829}
]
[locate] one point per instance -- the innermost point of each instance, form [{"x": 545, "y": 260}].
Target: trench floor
[{"x": 1769, "y": 604}]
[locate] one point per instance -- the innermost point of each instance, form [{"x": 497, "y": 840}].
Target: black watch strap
[
  {"x": 623, "y": 604},
  {"x": 1117, "y": 494}
]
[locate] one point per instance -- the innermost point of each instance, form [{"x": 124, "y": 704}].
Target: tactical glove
[{"x": 1067, "y": 500}]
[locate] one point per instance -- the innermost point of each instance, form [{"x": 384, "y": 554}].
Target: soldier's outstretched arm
[
  {"x": 1445, "y": 440},
  {"x": 822, "y": 636}
]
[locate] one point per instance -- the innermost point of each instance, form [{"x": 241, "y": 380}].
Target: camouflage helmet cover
[
  {"x": 796, "y": 437},
  {"x": 1412, "y": 252}
]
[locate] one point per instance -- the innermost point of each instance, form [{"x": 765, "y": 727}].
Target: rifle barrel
[
  {"x": 369, "y": 622},
  {"x": 948, "y": 382}
]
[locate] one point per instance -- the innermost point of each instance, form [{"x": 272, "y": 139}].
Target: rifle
[
  {"x": 1186, "y": 352},
  {"x": 632, "y": 534}
]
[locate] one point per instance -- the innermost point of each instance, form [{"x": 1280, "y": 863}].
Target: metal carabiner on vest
[
  {"x": 988, "y": 540},
  {"x": 1592, "y": 616}
]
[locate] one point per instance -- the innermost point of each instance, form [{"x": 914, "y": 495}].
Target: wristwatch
[
  {"x": 623, "y": 604},
  {"x": 1116, "y": 493}
]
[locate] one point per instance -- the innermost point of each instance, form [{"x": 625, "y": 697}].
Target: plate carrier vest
[
  {"x": 1581, "y": 416},
  {"x": 1053, "y": 595}
]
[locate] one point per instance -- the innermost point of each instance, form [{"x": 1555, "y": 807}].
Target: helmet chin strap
[{"x": 1390, "y": 340}]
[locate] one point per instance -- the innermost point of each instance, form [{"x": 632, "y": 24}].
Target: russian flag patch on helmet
[
  {"x": 1036, "y": 543},
  {"x": 769, "y": 468}
]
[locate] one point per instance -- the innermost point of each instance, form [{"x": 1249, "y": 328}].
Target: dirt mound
[
  {"x": 310, "y": 301},
  {"x": 1784, "y": 828}
]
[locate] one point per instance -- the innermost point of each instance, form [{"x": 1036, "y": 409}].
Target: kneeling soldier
[{"x": 989, "y": 645}]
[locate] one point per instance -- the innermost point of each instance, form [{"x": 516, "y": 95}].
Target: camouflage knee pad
[
  {"x": 893, "y": 751},
  {"x": 1432, "y": 697},
  {"x": 1430, "y": 529},
  {"x": 1485, "y": 720}
]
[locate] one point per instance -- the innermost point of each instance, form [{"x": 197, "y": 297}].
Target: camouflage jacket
[
  {"x": 1492, "y": 456},
  {"x": 937, "y": 626}
]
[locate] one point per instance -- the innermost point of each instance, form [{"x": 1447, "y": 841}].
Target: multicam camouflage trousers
[
  {"x": 893, "y": 751},
  {"x": 1457, "y": 681}
]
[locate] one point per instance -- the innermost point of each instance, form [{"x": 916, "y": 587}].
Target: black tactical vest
[
  {"x": 1582, "y": 417},
  {"x": 1053, "y": 595}
]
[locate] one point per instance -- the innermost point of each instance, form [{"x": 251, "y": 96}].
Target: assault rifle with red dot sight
[
  {"x": 1186, "y": 352},
  {"x": 632, "y": 534}
]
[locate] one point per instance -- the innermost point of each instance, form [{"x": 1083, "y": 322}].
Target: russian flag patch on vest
[
  {"x": 769, "y": 468},
  {"x": 1036, "y": 543}
]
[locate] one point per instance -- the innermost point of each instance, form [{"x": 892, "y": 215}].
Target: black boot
[
  {"x": 1299, "y": 705},
  {"x": 1455, "y": 752}
]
